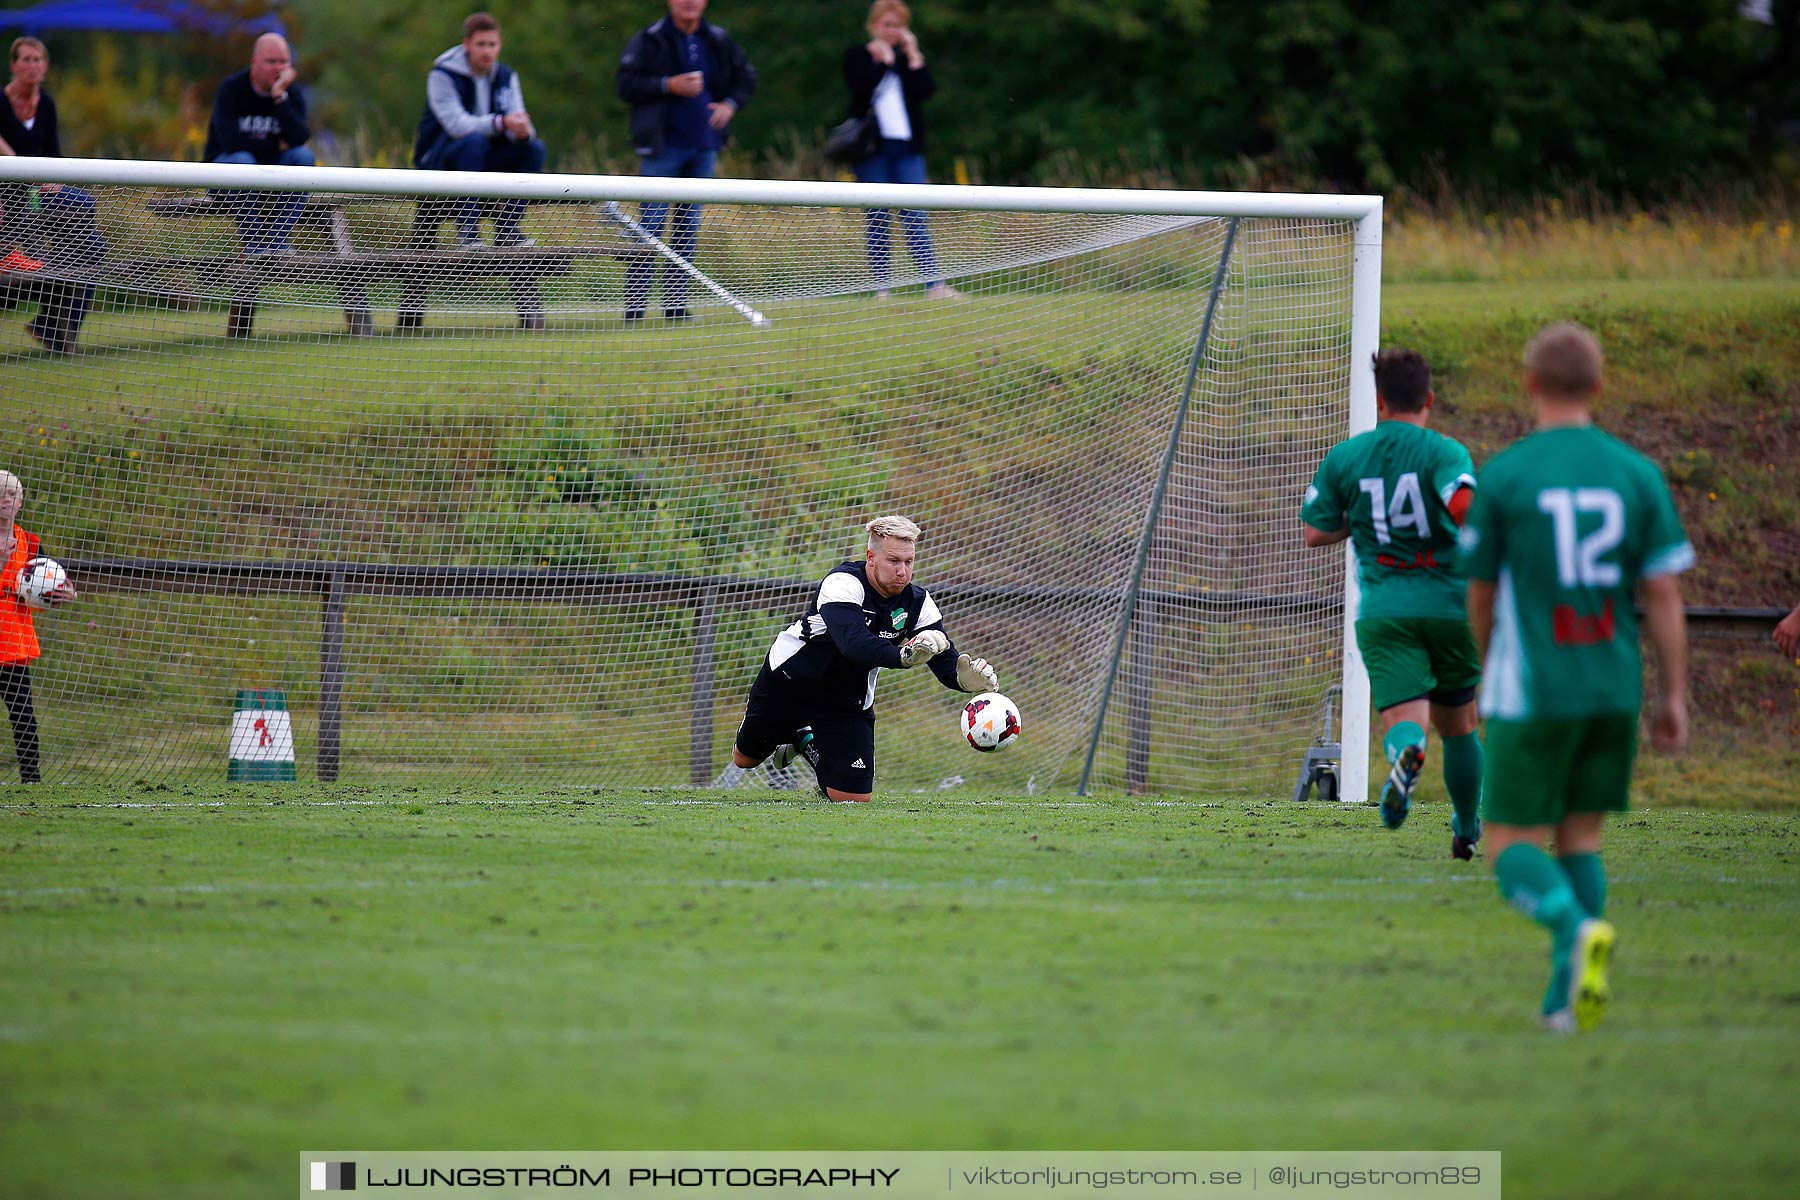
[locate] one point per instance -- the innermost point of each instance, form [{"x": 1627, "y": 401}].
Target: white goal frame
[{"x": 1365, "y": 212}]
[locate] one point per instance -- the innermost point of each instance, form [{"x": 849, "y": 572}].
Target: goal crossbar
[{"x": 601, "y": 188}]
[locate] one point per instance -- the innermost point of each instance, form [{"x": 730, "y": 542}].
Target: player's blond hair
[
  {"x": 10, "y": 482},
  {"x": 898, "y": 528},
  {"x": 1565, "y": 360}
]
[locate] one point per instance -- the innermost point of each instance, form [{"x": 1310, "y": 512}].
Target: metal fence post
[
  {"x": 1140, "y": 690},
  {"x": 331, "y": 678},
  {"x": 706, "y": 643}
]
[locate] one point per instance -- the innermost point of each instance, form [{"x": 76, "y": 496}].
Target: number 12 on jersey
[{"x": 1578, "y": 561}]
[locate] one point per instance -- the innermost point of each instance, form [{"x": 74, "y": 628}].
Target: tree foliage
[{"x": 1503, "y": 95}]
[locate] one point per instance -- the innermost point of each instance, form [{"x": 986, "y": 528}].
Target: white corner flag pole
[{"x": 684, "y": 266}]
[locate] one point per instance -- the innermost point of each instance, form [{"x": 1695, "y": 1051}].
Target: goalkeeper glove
[
  {"x": 923, "y": 647},
  {"x": 975, "y": 675}
]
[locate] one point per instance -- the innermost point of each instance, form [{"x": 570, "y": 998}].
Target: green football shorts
[
  {"x": 1413, "y": 657},
  {"x": 1538, "y": 772}
]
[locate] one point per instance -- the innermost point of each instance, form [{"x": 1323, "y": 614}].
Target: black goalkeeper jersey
[{"x": 848, "y": 633}]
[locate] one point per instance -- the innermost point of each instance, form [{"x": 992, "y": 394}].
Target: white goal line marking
[
  {"x": 900, "y": 800},
  {"x": 1187, "y": 883}
]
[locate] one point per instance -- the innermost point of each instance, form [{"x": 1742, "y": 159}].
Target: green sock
[
  {"x": 1406, "y": 733},
  {"x": 1462, "y": 778},
  {"x": 1587, "y": 877},
  {"x": 1532, "y": 882}
]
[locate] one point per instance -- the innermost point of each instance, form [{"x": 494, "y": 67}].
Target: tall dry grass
[{"x": 1551, "y": 238}]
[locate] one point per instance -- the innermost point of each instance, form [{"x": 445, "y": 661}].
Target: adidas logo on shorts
[{"x": 860, "y": 763}]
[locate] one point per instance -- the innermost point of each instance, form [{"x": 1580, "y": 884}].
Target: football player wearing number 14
[
  {"x": 1568, "y": 524},
  {"x": 1400, "y": 491},
  {"x": 815, "y": 694}
]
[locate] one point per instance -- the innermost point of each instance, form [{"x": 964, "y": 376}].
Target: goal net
[{"x": 497, "y": 511}]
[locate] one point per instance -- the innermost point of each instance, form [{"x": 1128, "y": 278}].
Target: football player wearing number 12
[
  {"x": 1400, "y": 491},
  {"x": 1569, "y": 522}
]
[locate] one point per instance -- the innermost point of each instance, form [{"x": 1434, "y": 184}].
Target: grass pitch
[{"x": 198, "y": 984}]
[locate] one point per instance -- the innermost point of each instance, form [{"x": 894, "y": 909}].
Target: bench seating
[{"x": 425, "y": 263}]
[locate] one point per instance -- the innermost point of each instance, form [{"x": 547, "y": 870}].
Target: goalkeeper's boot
[
  {"x": 784, "y": 755},
  {"x": 1589, "y": 993},
  {"x": 1396, "y": 794},
  {"x": 1463, "y": 846}
]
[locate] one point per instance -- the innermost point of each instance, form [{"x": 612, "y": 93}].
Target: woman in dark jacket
[
  {"x": 887, "y": 76},
  {"x": 28, "y": 129}
]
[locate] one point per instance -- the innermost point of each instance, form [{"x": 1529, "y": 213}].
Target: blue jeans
[
  {"x": 897, "y": 162},
  {"x": 69, "y": 215},
  {"x": 483, "y": 152},
  {"x": 676, "y": 162},
  {"x": 266, "y": 220}
]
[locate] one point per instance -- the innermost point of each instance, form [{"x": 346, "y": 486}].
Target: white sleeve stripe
[
  {"x": 1461, "y": 481},
  {"x": 840, "y": 587},
  {"x": 929, "y": 614},
  {"x": 1669, "y": 561}
]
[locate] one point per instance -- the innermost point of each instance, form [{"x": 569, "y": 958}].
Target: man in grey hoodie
[{"x": 475, "y": 120}]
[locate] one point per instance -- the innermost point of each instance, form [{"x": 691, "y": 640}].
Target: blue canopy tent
[{"x": 135, "y": 16}]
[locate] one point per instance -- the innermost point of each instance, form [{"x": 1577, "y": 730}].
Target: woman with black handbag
[{"x": 889, "y": 84}]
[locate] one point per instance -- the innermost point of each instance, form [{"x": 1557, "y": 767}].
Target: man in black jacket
[
  {"x": 685, "y": 79},
  {"x": 259, "y": 116}
]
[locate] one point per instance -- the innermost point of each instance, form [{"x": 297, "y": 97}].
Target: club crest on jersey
[{"x": 899, "y": 618}]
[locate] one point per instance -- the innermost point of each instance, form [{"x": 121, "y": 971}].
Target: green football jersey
[
  {"x": 1565, "y": 524},
  {"x": 1390, "y": 486}
]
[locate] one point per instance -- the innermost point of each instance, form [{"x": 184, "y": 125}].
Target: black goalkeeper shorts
[{"x": 779, "y": 707}]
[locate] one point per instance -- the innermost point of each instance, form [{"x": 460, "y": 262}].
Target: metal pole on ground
[{"x": 684, "y": 266}]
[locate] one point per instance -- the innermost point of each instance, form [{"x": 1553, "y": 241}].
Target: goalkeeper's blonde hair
[
  {"x": 11, "y": 483},
  {"x": 898, "y": 528}
]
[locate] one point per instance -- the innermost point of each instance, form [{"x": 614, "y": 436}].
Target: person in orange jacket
[{"x": 18, "y": 637}]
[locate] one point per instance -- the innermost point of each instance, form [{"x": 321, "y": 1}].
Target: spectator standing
[
  {"x": 685, "y": 79},
  {"x": 28, "y": 128},
  {"x": 259, "y": 117},
  {"x": 887, "y": 76},
  {"x": 475, "y": 120},
  {"x": 18, "y": 636}
]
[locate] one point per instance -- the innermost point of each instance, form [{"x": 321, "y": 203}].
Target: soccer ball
[
  {"x": 989, "y": 721},
  {"x": 38, "y": 578}
]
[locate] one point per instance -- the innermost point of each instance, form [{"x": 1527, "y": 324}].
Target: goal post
[{"x": 482, "y": 512}]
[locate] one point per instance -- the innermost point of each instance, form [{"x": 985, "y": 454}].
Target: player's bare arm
[
  {"x": 1787, "y": 633},
  {"x": 1666, "y": 623},
  {"x": 1318, "y": 537},
  {"x": 1481, "y": 613}
]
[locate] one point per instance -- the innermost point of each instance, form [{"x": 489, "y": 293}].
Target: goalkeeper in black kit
[{"x": 815, "y": 695}]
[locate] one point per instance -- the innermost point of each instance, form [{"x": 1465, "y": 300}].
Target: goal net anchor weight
[{"x": 1323, "y": 762}]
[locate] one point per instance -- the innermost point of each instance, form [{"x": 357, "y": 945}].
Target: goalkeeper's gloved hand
[
  {"x": 975, "y": 675},
  {"x": 923, "y": 647}
]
